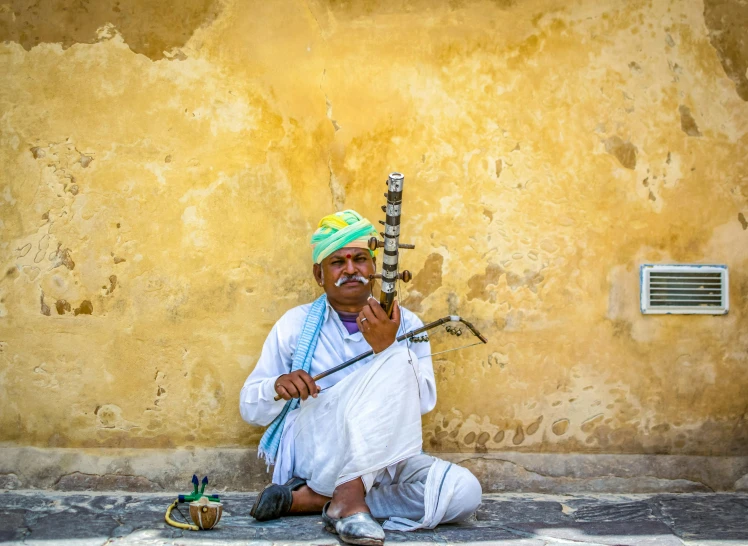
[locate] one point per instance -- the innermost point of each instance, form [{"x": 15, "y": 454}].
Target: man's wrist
[
  {"x": 277, "y": 379},
  {"x": 273, "y": 387}
]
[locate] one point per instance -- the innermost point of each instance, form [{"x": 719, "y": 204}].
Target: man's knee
[{"x": 466, "y": 498}]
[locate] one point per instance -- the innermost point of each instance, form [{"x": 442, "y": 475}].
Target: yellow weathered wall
[{"x": 163, "y": 164}]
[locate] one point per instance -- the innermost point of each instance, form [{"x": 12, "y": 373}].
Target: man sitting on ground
[{"x": 350, "y": 445}]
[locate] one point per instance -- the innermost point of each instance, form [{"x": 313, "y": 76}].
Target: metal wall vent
[{"x": 684, "y": 289}]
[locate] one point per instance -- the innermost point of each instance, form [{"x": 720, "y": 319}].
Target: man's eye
[{"x": 336, "y": 262}]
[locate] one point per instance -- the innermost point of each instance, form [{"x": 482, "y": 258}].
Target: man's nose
[{"x": 350, "y": 267}]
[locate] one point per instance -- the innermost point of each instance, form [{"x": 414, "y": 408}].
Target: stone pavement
[{"x": 71, "y": 519}]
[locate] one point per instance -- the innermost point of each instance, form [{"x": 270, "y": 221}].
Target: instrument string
[
  {"x": 400, "y": 292},
  {"x": 456, "y": 348}
]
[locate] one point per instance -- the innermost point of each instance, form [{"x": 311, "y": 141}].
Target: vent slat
[
  {"x": 701, "y": 300},
  {"x": 682, "y": 295},
  {"x": 682, "y": 304},
  {"x": 685, "y": 281},
  {"x": 685, "y": 273},
  {"x": 684, "y": 287},
  {"x": 684, "y": 276},
  {"x": 686, "y": 294},
  {"x": 695, "y": 302},
  {"x": 686, "y": 284},
  {"x": 694, "y": 288}
]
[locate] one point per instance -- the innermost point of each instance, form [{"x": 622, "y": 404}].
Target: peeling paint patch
[
  {"x": 728, "y": 32},
  {"x": 589, "y": 424},
  {"x": 425, "y": 282},
  {"x": 534, "y": 426},
  {"x": 85, "y": 308},
  {"x": 112, "y": 284},
  {"x": 149, "y": 28},
  {"x": 109, "y": 416},
  {"x": 479, "y": 284},
  {"x": 623, "y": 151},
  {"x": 45, "y": 310},
  {"x": 687, "y": 123},
  {"x": 742, "y": 220},
  {"x": 62, "y": 307},
  {"x": 24, "y": 250},
  {"x": 62, "y": 257},
  {"x": 560, "y": 427},
  {"x": 85, "y": 160},
  {"x": 530, "y": 279}
]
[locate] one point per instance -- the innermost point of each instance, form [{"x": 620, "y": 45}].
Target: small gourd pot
[{"x": 206, "y": 514}]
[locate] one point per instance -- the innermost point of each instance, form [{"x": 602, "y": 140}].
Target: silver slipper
[{"x": 358, "y": 528}]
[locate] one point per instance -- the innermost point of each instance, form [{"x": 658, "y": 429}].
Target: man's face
[{"x": 344, "y": 275}]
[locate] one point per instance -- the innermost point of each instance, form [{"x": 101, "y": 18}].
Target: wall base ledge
[{"x": 239, "y": 469}]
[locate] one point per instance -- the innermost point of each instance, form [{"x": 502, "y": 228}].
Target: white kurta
[
  {"x": 335, "y": 346},
  {"x": 365, "y": 423}
]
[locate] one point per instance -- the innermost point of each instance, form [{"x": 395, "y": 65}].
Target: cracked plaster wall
[{"x": 163, "y": 165}]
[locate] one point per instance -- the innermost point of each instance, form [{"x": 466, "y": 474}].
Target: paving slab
[
  {"x": 609, "y": 533},
  {"x": 47, "y": 518}
]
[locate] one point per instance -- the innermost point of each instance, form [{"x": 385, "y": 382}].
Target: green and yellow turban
[{"x": 339, "y": 230}]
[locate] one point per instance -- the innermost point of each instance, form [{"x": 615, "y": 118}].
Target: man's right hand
[{"x": 298, "y": 384}]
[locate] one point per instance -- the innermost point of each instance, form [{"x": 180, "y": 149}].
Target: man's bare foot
[
  {"x": 306, "y": 501},
  {"x": 348, "y": 498}
]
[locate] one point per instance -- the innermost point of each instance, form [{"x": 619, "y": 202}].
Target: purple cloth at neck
[{"x": 349, "y": 321}]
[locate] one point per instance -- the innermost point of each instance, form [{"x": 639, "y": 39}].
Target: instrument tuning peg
[
  {"x": 381, "y": 233},
  {"x": 382, "y": 222},
  {"x": 374, "y": 243},
  {"x": 406, "y": 276},
  {"x": 384, "y": 208},
  {"x": 385, "y": 196}
]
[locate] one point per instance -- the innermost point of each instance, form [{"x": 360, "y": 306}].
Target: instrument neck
[{"x": 391, "y": 235}]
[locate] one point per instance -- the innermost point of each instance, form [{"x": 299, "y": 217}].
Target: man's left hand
[{"x": 378, "y": 329}]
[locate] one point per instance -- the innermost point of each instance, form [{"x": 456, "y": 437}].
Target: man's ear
[{"x": 317, "y": 271}]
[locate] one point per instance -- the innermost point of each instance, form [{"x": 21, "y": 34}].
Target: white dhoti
[{"x": 368, "y": 426}]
